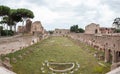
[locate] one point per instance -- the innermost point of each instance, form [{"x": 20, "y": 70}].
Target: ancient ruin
[
  {"x": 55, "y": 67},
  {"x": 60, "y": 32},
  {"x": 36, "y": 28},
  {"x": 101, "y": 38},
  {"x": 35, "y": 32},
  {"x": 96, "y": 29},
  {"x": 32, "y": 28}
]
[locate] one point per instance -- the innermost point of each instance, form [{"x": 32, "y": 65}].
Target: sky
[{"x": 64, "y": 13}]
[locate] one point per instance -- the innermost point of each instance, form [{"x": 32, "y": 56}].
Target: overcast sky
[{"x": 64, "y": 13}]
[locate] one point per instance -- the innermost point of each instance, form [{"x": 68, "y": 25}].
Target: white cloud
[
  {"x": 44, "y": 14},
  {"x": 57, "y": 13},
  {"x": 92, "y": 3},
  {"x": 107, "y": 15}
]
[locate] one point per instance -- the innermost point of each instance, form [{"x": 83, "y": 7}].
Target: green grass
[{"x": 57, "y": 49}]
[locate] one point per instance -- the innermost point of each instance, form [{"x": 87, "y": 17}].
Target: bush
[
  {"x": 76, "y": 29},
  {"x": 117, "y": 31},
  {"x": 1, "y": 28},
  {"x": 51, "y": 32},
  {"x": 7, "y": 33},
  {"x": 81, "y": 30}
]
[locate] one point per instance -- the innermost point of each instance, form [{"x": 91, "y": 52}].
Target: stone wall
[
  {"x": 106, "y": 41},
  {"x": 96, "y": 29},
  {"x": 12, "y": 44},
  {"x": 21, "y": 29},
  {"x": 28, "y": 25},
  {"x": 61, "y": 32},
  {"x": 109, "y": 44},
  {"x": 36, "y": 27},
  {"x": 92, "y": 28}
]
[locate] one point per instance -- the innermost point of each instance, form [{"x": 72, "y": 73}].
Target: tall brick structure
[
  {"x": 92, "y": 28},
  {"x": 34, "y": 28},
  {"x": 28, "y": 25},
  {"x": 96, "y": 29},
  {"x": 37, "y": 27}
]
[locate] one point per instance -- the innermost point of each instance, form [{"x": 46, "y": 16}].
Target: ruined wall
[
  {"x": 96, "y": 29},
  {"x": 92, "y": 28},
  {"x": 109, "y": 44},
  {"x": 61, "y": 32},
  {"x": 106, "y": 41},
  {"x": 21, "y": 29},
  {"x": 37, "y": 28},
  {"x": 28, "y": 26}
]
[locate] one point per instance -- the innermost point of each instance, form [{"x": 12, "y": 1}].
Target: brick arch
[{"x": 108, "y": 55}]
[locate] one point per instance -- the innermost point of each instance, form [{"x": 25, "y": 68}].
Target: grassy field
[{"x": 57, "y": 49}]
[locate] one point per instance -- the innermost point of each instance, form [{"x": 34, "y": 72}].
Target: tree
[
  {"x": 76, "y": 29},
  {"x": 24, "y": 14},
  {"x": 8, "y": 20},
  {"x": 81, "y": 30},
  {"x": 1, "y": 28},
  {"x": 4, "y": 10},
  {"x": 116, "y": 23},
  {"x": 51, "y": 32},
  {"x": 117, "y": 31},
  {"x": 15, "y": 17},
  {"x": 3, "y": 21}
]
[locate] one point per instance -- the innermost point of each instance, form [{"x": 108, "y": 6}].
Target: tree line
[{"x": 12, "y": 16}]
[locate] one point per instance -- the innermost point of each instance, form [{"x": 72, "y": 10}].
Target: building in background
[
  {"x": 96, "y": 29},
  {"x": 34, "y": 28}
]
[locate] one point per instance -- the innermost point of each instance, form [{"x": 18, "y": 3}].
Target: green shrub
[{"x": 7, "y": 33}]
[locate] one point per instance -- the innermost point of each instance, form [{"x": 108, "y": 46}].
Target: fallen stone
[
  {"x": 6, "y": 63},
  {"x": 14, "y": 60},
  {"x": 24, "y": 54},
  {"x": 20, "y": 57}
]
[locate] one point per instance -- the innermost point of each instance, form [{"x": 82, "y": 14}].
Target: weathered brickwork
[
  {"x": 37, "y": 27},
  {"x": 109, "y": 44},
  {"x": 96, "y": 29},
  {"x": 28, "y": 25},
  {"x": 61, "y": 32},
  {"x": 33, "y": 28},
  {"x": 92, "y": 28}
]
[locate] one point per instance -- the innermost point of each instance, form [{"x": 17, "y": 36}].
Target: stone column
[
  {"x": 114, "y": 58},
  {"x": 107, "y": 55}
]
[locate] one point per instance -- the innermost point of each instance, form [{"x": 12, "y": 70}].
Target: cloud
[{"x": 64, "y": 13}]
